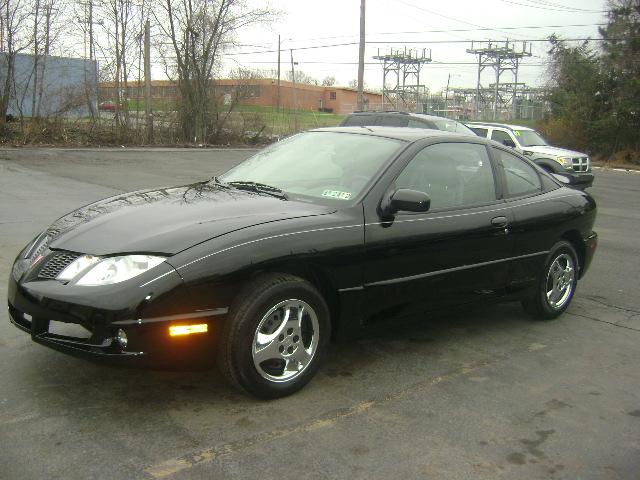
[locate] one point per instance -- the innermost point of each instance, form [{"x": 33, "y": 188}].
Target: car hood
[
  {"x": 169, "y": 220},
  {"x": 553, "y": 151}
]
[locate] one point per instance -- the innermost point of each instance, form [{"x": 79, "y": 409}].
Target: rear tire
[
  {"x": 275, "y": 337},
  {"x": 556, "y": 283}
]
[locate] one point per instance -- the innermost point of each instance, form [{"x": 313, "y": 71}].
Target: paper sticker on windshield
[
  {"x": 516, "y": 133},
  {"x": 336, "y": 194}
]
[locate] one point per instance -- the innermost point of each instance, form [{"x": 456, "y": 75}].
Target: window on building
[{"x": 332, "y": 95}]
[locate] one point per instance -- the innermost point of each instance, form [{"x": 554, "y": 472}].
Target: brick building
[{"x": 264, "y": 92}]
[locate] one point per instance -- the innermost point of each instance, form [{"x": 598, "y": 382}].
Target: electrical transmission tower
[
  {"x": 401, "y": 86},
  {"x": 501, "y": 57}
]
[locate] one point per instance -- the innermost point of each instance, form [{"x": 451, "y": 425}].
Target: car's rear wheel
[
  {"x": 275, "y": 336},
  {"x": 556, "y": 283}
]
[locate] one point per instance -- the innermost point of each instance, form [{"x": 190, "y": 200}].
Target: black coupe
[{"x": 327, "y": 231}]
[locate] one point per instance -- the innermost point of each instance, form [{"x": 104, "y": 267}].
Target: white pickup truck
[{"x": 576, "y": 166}]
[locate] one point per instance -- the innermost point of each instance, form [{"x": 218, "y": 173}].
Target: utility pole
[
  {"x": 446, "y": 99},
  {"x": 361, "y": 58},
  {"x": 295, "y": 93},
  {"x": 278, "y": 94},
  {"x": 147, "y": 81},
  {"x": 92, "y": 61}
]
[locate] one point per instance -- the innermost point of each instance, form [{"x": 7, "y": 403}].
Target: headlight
[
  {"x": 567, "y": 162},
  {"x": 89, "y": 270},
  {"x": 36, "y": 245}
]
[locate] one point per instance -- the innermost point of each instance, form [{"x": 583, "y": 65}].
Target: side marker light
[{"x": 177, "y": 330}]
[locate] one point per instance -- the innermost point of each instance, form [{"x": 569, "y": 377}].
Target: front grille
[
  {"x": 56, "y": 264},
  {"x": 580, "y": 164}
]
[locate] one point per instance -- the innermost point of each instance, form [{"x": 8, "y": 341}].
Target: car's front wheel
[
  {"x": 275, "y": 336},
  {"x": 556, "y": 283}
]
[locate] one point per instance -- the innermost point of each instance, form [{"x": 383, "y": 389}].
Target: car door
[
  {"x": 539, "y": 214},
  {"x": 454, "y": 253}
]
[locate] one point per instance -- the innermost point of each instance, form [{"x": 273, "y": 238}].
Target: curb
[{"x": 624, "y": 170}]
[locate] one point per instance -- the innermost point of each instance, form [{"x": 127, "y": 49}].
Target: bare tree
[
  {"x": 15, "y": 37},
  {"x": 121, "y": 23},
  {"x": 197, "y": 33}
]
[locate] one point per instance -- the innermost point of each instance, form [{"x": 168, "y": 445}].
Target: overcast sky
[{"x": 414, "y": 24}]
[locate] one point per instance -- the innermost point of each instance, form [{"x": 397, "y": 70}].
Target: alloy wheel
[
  {"x": 285, "y": 340},
  {"x": 560, "y": 281}
]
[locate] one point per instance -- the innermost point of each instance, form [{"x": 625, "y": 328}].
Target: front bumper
[
  {"x": 579, "y": 180},
  {"x": 45, "y": 308}
]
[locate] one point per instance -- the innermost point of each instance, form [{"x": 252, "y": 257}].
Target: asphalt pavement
[{"x": 483, "y": 394}]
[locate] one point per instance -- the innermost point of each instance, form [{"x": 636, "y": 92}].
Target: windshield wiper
[
  {"x": 259, "y": 188},
  {"x": 219, "y": 182}
]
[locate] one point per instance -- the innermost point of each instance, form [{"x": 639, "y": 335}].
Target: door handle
[{"x": 499, "y": 222}]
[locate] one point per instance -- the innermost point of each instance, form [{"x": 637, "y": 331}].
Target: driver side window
[
  {"x": 454, "y": 175},
  {"x": 502, "y": 137}
]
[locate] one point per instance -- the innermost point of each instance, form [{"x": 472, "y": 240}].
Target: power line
[
  {"x": 445, "y": 16},
  {"x": 553, "y": 7},
  {"x": 415, "y": 42},
  {"x": 483, "y": 29}
]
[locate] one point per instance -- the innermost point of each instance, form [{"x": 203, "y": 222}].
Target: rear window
[
  {"x": 414, "y": 123},
  {"x": 393, "y": 120},
  {"x": 481, "y": 132},
  {"x": 359, "y": 121}
]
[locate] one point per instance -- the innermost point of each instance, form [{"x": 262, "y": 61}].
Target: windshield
[
  {"x": 453, "y": 126},
  {"x": 327, "y": 165},
  {"x": 529, "y": 138}
]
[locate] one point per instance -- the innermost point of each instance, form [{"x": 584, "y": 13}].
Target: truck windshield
[{"x": 529, "y": 138}]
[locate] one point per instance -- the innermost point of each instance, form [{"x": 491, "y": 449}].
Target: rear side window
[
  {"x": 359, "y": 121},
  {"x": 481, "y": 132},
  {"x": 392, "y": 120},
  {"x": 520, "y": 177}
]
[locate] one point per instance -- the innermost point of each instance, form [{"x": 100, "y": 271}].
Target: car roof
[
  {"x": 416, "y": 115},
  {"x": 397, "y": 133},
  {"x": 493, "y": 124}
]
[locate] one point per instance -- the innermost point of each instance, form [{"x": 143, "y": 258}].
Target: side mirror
[
  {"x": 407, "y": 200},
  {"x": 509, "y": 143}
]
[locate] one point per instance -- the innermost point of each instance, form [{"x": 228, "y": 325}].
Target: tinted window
[
  {"x": 481, "y": 132},
  {"x": 393, "y": 120},
  {"x": 500, "y": 137},
  {"x": 521, "y": 178},
  {"x": 454, "y": 175},
  {"x": 359, "y": 120}
]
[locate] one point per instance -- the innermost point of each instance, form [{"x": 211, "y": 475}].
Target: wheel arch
[
  {"x": 575, "y": 239},
  {"x": 320, "y": 280}
]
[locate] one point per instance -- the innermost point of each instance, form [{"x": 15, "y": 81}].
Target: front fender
[{"x": 215, "y": 271}]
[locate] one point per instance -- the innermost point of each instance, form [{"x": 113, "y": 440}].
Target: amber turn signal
[{"x": 176, "y": 330}]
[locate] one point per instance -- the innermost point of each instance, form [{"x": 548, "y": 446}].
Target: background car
[
  {"x": 576, "y": 166},
  {"x": 323, "y": 233},
  {"x": 404, "y": 119}
]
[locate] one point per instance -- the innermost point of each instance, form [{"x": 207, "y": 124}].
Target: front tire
[
  {"x": 556, "y": 283},
  {"x": 275, "y": 336}
]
